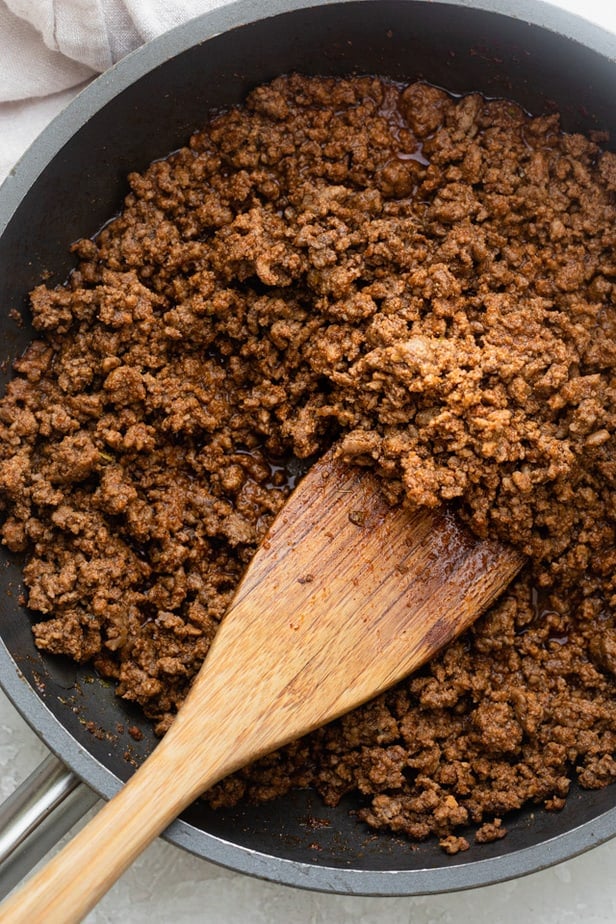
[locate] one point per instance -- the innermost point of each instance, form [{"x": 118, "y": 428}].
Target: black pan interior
[{"x": 83, "y": 185}]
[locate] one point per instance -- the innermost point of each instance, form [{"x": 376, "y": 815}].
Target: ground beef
[{"x": 428, "y": 280}]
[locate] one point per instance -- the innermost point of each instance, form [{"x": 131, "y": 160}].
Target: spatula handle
[
  {"x": 209, "y": 739},
  {"x": 71, "y": 884}
]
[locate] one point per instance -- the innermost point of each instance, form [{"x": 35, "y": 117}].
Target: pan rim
[
  {"x": 49, "y": 729},
  {"x": 232, "y": 15},
  {"x": 351, "y": 881}
]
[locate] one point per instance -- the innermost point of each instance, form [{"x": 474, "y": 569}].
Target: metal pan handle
[{"x": 34, "y": 818}]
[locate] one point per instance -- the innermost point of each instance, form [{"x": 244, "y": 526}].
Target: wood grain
[{"x": 345, "y": 597}]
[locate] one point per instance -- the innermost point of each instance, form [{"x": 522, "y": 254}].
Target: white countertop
[{"x": 167, "y": 884}]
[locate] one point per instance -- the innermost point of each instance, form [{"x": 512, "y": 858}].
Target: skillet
[{"x": 72, "y": 180}]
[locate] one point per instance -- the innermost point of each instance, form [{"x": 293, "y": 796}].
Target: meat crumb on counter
[{"x": 428, "y": 280}]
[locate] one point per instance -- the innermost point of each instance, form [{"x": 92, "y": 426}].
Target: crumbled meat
[{"x": 429, "y": 280}]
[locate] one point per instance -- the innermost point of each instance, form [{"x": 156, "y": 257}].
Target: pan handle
[{"x": 34, "y": 818}]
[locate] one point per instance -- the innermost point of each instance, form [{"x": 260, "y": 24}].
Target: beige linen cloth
[{"x": 48, "y": 48}]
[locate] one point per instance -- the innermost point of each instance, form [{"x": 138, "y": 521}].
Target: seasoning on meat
[{"x": 429, "y": 280}]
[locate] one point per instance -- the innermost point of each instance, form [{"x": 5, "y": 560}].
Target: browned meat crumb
[
  {"x": 429, "y": 280},
  {"x": 452, "y": 844},
  {"x": 491, "y": 831}
]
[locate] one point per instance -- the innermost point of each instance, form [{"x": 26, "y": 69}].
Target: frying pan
[{"x": 68, "y": 184}]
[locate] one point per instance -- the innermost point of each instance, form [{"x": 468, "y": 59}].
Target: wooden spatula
[{"x": 344, "y": 598}]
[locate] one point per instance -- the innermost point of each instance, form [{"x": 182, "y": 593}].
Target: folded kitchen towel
[{"x": 50, "y": 47}]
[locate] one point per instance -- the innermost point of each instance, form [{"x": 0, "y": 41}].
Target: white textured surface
[{"x": 167, "y": 884}]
